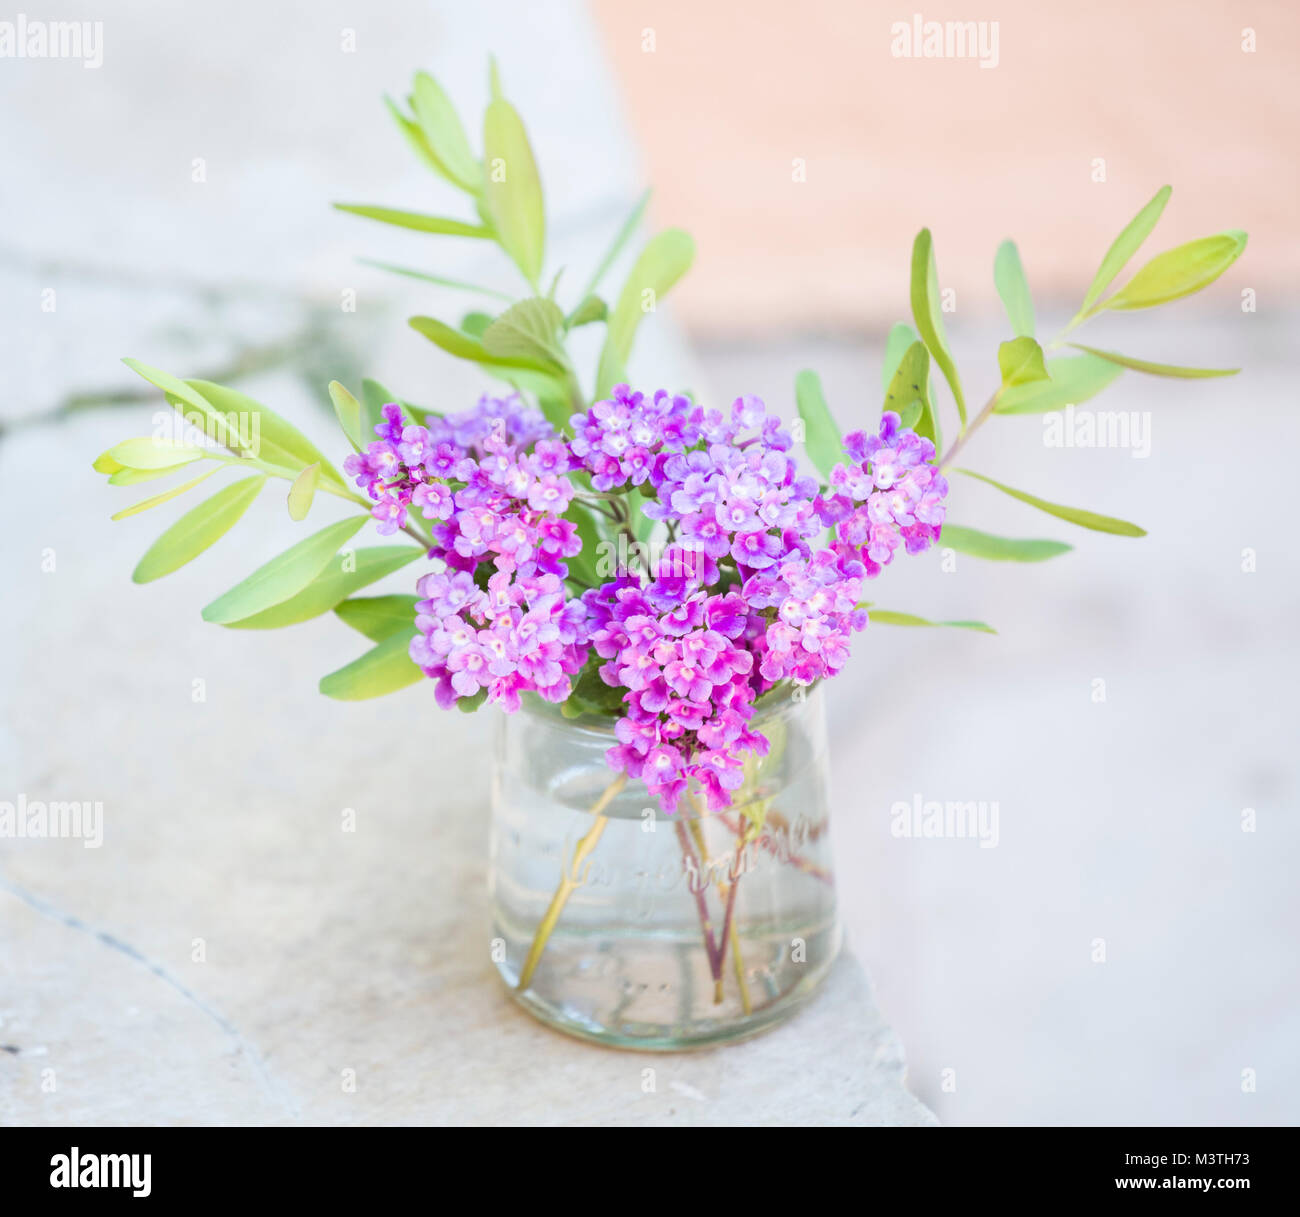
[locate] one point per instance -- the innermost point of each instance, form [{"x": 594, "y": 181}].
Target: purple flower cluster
[
  {"x": 743, "y": 596},
  {"x": 496, "y": 616},
  {"x": 890, "y": 495}
]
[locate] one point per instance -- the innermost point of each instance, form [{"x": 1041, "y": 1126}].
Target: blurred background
[{"x": 1127, "y": 951}]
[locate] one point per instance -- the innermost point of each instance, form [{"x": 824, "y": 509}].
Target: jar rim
[{"x": 776, "y": 702}]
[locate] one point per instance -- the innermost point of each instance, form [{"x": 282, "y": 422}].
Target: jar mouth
[{"x": 778, "y": 702}]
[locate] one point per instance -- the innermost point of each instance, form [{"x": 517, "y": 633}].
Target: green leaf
[
  {"x": 444, "y": 134},
  {"x": 512, "y": 188},
  {"x": 592, "y": 308},
  {"x": 928, "y": 315},
  {"x": 1013, "y": 289},
  {"x": 167, "y": 495},
  {"x": 1155, "y": 369},
  {"x": 1126, "y": 245},
  {"x": 377, "y": 617},
  {"x": 104, "y": 463},
  {"x": 148, "y": 452},
  {"x": 1073, "y": 379},
  {"x": 383, "y": 669},
  {"x": 908, "y": 393},
  {"x": 1021, "y": 363},
  {"x": 822, "y": 437},
  {"x": 624, "y": 235},
  {"x": 343, "y": 575},
  {"x": 1179, "y": 272},
  {"x": 374, "y": 397},
  {"x": 998, "y": 549},
  {"x": 476, "y": 324},
  {"x": 131, "y": 477},
  {"x": 416, "y": 220},
  {"x": 414, "y": 136},
  {"x": 665, "y": 259},
  {"x": 197, "y": 529},
  {"x": 283, "y": 576},
  {"x": 466, "y": 346},
  {"x": 440, "y": 280},
  {"x": 582, "y": 566},
  {"x": 901, "y": 336},
  {"x": 348, "y": 411},
  {"x": 302, "y": 492},
  {"x": 268, "y": 437},
  {"x": 1075, "y": 515},
  {"x": 179, "y": 394},
  {"x": 885, "y": 617},
  {"x": 527, "y": 330}
]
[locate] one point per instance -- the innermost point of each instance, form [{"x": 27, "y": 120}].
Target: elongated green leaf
[
  {"x": 374, "y": 397},
  {"x": 466, "y": 346},
  {"x": 378, "y": 617},
  {"x": 444, "y": 134},
  {"x": 302, "y": 492},
  {"x": 1073, "y": 379},
  {"x": 185, "y": 399},
  {"x": 822, "y": 437},
  {"x": 148, "y": 452},
  {"x": 414, "y": 136},
  {"x": 527, "y": 330},
  {"x": 439, "y": 280},
  {"x": 1021, "y": 363},
  {"x": 416, "y": 220},
  {"x": 383, "y": 669},
  {"x": 901, "y": 336},
  {"x": 1075, "y": 515},
  {"x": 1013, "y": 289},
  {"x": 283, "y": 576},
  {"x": 666, "y": 258},
  {"x": 998, "y": 549},
  {"x": 197, "y": 529},
  {"x": 928, "y": 315},
  {"x": 104, "y": 463},
  {"x": 1155, "y": 369},
  {"x": 512, "y": 188},
  {"x": 886, "y": 617},
  {"x": 1125, "y": 246},
  {"x": 132, "y": 477},
  {"x": 269, "y": 437},
  {"x": 592, "y": 308},
  {"x": 584, "y": 565},
  {"x": 908, "y": 394},
  {"x": 1179, "y": 272},
  {"x": 348, "y": 411},
  {"x": 344, "y": 575},
  {"x": 166, "y": 495},
  {"x": 624, "y": 235}
]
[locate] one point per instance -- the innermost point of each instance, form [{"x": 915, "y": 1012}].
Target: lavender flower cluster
[{"x": 747, "y": 593}]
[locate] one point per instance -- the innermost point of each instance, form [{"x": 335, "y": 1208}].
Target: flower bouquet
[{"x": 651, "y": 586}]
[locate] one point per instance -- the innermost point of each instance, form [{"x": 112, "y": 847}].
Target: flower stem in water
[{"x": 570, "y": 880}]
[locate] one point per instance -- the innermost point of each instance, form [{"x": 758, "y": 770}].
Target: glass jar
[{"x": 617, "y": 922}]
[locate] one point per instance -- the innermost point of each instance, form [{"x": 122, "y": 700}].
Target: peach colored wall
[{"x": 732, "y": 93}]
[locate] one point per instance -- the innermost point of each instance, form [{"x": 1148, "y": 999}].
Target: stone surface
[{"x": 229, "y": 953}]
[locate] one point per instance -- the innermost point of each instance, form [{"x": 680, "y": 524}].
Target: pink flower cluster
[
  {"x": 495, "y": 618},
  {"x": 742, "y": 597}
]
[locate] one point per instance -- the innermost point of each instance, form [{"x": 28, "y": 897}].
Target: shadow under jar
[{"x": 620, "y": 923}]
